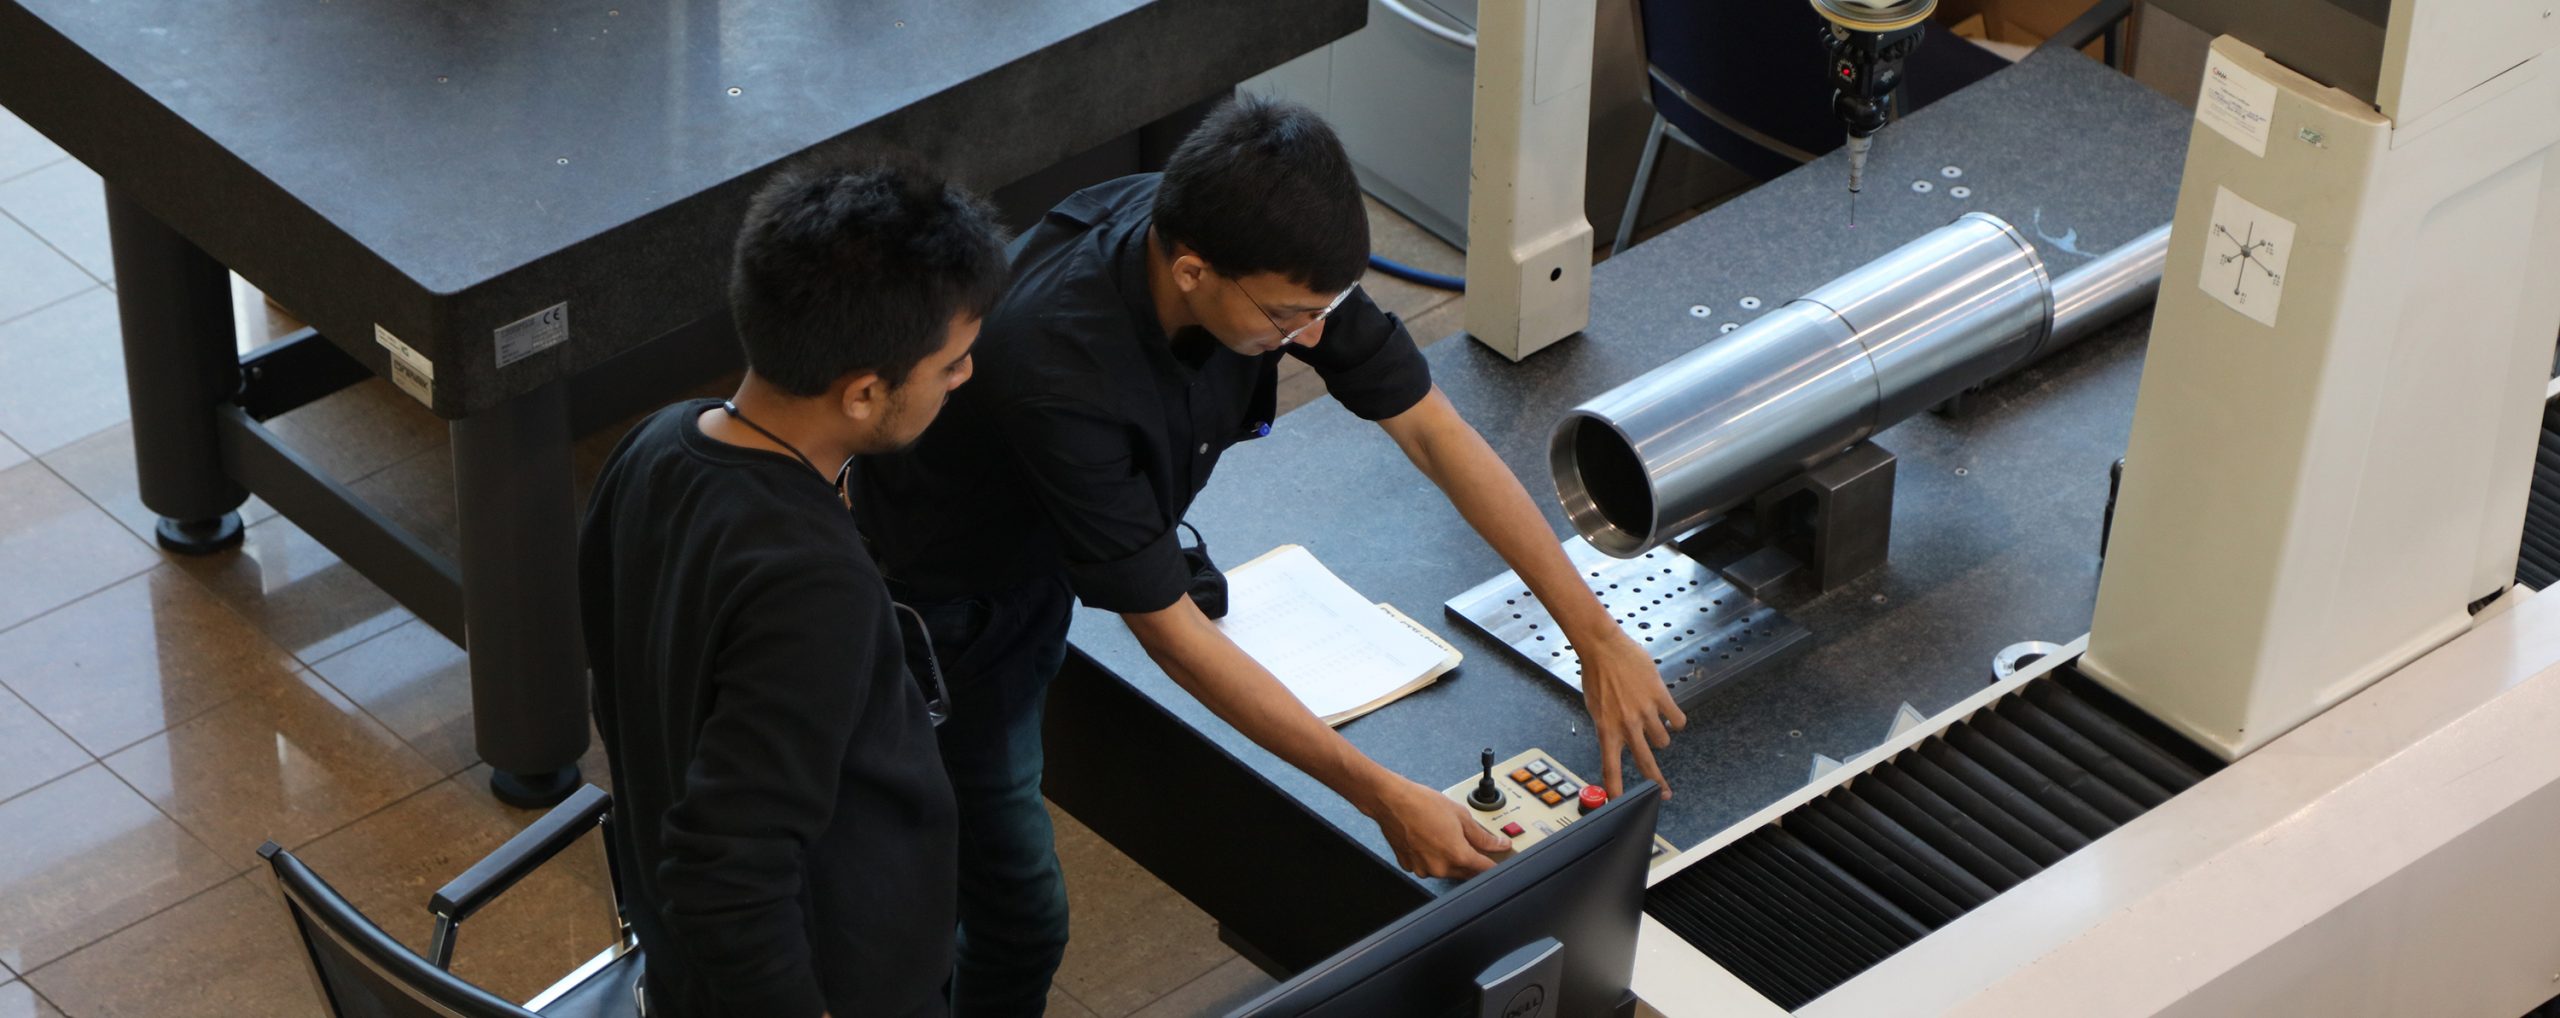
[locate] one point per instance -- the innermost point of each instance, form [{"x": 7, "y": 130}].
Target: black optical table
[
  {"x": 534, "y": 204},
  {"x": 1995, "y": 527}
]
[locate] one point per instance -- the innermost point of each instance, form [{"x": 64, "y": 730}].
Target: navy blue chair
[{"x": 1744, "y": 82}]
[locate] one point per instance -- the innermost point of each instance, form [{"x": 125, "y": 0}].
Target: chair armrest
[
  {"x": 528, "y": 850},
  {"x": 2101, "y": 18}
]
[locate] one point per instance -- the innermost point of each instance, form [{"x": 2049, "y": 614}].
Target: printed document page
[{"x": 1342, "y": 655}]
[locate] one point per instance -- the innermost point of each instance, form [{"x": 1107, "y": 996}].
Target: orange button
[
  {"x": 1536, "y": 787},
  {"x": 1522, "y": 775},
  {"x": 1551, "y": 798}
]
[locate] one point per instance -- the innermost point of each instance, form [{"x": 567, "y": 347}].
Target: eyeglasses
[
  {"x": 921, "y": 663},
  {"x": 1289, "y": 335}
]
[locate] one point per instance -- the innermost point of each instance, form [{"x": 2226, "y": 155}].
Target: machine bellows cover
[{"x": 1807, "y": 902}]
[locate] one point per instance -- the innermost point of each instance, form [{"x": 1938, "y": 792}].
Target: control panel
[{"x": 1531, "y": 796}]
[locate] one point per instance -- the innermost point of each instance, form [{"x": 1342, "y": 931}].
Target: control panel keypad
[{"x": 1540, "y": 798}]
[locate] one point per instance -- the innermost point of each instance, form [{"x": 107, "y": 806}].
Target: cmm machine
[
  {"x": 2291, "y": 771},
  {"x": 2304, "y": 761}
]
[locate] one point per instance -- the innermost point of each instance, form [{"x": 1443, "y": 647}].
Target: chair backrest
[
  {"x": 363, "y": 972},
  {"x": 1746, "y": 79}
]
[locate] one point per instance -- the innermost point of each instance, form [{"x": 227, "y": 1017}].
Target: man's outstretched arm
[
  {"x": 1629, "y": 705},
  {"x": 1432, "y": 834}
]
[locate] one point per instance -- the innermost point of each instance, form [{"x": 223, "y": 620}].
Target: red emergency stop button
[{"x": 1593, "y": 797}]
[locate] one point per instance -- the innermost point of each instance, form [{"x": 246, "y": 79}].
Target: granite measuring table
[
  {"x": 494, "y": 204},
  {"x": 1994, "y": 540}
]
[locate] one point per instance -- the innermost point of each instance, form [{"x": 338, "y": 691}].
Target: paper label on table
[
  {"x": 2245, "y": 250},
  {"x": 1330, "y": 646},
  {"x": 2237, "y": 103},
  {"x": 533, "y": 333},
  {"x": 410, "y": 370}
]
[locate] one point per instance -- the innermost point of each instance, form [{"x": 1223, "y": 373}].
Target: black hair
[
  {"x": 850, "y": 268},
  {"x": 1264, "y": 186}
]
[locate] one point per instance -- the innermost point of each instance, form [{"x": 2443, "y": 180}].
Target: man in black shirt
[
  {"x": 1140, "y": 339},
  {"x": 784, "y": 830}
]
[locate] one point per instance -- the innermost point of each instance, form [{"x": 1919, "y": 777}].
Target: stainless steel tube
[
  {"x": 1654, "y": 458},
  {"x": 1679, "y": 431},
  {"x": 1940, "y": 313},
  {"x": 2108, "y": 288}
]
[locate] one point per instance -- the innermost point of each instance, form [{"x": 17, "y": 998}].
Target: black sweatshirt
[{"x": 785, "y": 833}]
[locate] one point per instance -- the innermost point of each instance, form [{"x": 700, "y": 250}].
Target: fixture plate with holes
[{"x": 1703, "y": 629}]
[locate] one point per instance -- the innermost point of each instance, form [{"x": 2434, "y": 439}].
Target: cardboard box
[
  {"x": 2014, "y": 22},
  {"x": 1975, "y": 29}
]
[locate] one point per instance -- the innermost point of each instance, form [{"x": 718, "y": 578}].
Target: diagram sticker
[{"x": 2245, "y": 251}]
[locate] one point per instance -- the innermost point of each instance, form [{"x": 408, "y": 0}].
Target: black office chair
[
  {"x": 363, "y": 972},
  {"x": 1743, "y": 81}
]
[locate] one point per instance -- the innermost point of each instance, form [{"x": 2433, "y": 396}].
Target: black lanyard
[{"x": 732, "y": 407}]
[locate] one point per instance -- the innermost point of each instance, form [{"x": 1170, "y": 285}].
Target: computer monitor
[{"x": 1582, "y": 887}]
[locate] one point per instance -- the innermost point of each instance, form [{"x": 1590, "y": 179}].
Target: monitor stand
[{"x": 1520, "y": 984}]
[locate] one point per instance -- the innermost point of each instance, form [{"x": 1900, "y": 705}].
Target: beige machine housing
[
  {"x": 2312, "y": 503},
  {"x": 1528, "y": 245}
]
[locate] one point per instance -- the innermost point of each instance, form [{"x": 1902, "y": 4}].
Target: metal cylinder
[
  {"x": 1659, "y": 456},
  {"x": 2108, "y": 288},
  {"x": 1650, "y": 454},
  {"x": 1945, "y": 311}
]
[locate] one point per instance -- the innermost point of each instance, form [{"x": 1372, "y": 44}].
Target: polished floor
[{"x": 160, "y": 715}]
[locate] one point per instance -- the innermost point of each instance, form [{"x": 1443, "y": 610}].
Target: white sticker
[
  {"x": 410, "y": 370},
  {"x": 533, "y": 333},
  {"x": 2237, "y": 103},
  {"x": 2245, "y": 251}
]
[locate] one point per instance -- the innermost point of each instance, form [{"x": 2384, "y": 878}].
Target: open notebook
[{"x": 1342, "y": 655}]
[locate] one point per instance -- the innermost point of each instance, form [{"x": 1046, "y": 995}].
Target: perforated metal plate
[{"x": 1700, "y": 629}]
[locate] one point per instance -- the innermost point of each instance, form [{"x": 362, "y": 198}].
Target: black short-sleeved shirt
[
  {"x": 783, "y": 828},
  {"x": 1085, "y": 432}
]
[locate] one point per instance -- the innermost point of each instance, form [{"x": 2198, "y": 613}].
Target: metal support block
[{"x": 1836, "y": 518}]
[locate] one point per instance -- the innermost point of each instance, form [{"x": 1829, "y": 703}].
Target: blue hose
[{"x": 1422, "y": 277}]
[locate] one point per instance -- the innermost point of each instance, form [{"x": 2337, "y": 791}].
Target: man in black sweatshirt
[{"x": 784, "y": 829}]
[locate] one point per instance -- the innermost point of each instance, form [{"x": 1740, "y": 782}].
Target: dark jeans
[{"x": 998, "y": 652}]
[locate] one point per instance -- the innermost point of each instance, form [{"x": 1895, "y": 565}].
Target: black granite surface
[
  {"x": 448, "y": 168},
  {"x": 1995, "y": 521}
]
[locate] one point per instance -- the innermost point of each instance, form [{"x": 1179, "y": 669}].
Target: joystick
[
  {"x": 1530, "y": 798},
  {"x": 1486, "y": 797}
]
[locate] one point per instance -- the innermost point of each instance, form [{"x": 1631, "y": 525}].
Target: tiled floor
[{"x": 161, "y": 715}]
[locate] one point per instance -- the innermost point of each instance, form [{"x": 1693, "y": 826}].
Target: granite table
[
  {"x": 1994, "y": 536},
  {"x": 522, "y": 214}
]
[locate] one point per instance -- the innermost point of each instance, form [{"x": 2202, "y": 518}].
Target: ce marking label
[{"x": 533, "y": 333}]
